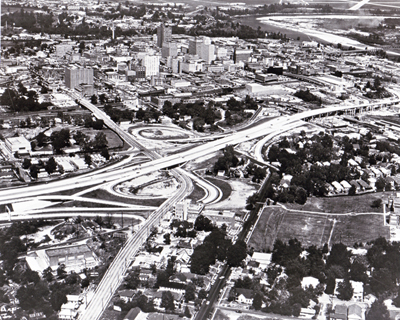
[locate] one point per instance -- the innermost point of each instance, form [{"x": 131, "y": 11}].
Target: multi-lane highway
[
  {"x": 127, "y": 173},
  {"x": 113, "y": 276}
]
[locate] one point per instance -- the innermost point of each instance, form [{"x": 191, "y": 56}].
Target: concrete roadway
[{"x": 124, "y": 174}]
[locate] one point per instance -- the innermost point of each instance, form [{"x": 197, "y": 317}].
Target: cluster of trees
[
  {"x": 61, "y": 139},
  {"x": 200, "y": 113},
  {"x": 45, "y": 294},
  {"x": 50, "y": 166},
  {"x": 229, "y": 160},
  {"x": 147, "y": 114},
  {"x": 377, "y": 90},
  {"x": 216, "y": 247},
  {"x": 307, "y": 96},
  {"x": 22, "y": 100},
  {"x": 117, "y": 114},
  {"x": 226, "y": 161},
  {"x": 225, "y": 29},
  {"x": 287, "y": 297},
  {"x": 312, "y": 179},
  {"x": 184, "y": 229},
  {"x": 235, "y": 110}
]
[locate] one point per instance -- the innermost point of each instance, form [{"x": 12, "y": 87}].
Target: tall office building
[
  {"x": 203, "y": 48},
  {"x": 169, "y": 49},
  {"x": 76, "y": 75},
  {"x": 164, "y": 34},
  {"x": 150, "y": 62}
]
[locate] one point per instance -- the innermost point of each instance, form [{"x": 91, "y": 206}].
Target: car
[{"x": 239, "y": 311}]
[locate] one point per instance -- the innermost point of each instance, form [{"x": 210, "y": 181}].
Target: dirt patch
[{"x": 237, "y": 195}]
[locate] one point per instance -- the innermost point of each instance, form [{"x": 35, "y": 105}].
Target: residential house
[
  {"x": 157, "y": 299},
  {"x": 338, "y": 187},
  {"x": 358, "y": 289},
  {"x": 126, "y": 295},
  {"x": 356, "y": 185},
  {"x": 135, "y": 314},
  {"x": 364, "y": 185},
  {"x": 346, "y": 186},
  {"x": 340, "y": 313},
  {"x": 244, "y": 296},
  {"x": 354, "y": 312}
]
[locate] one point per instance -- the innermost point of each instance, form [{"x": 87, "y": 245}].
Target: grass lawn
[
  {"x": 114, "y": 141},
  {"x": 313, "y": 229},
  {"x": 346, "y": 204},
  {"x": 104, "y": 195},
  {"x": 197, "y": 193},
  {"x": 83, "y": 204},
  {"x": 223, "y": 185}
]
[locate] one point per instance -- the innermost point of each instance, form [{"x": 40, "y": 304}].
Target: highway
[
  {"x": 127, "y": 173},
  {"x": 117, "y": 269}
]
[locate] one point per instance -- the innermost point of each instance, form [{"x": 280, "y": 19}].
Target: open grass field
[
  {"x": 314, "y": 229},
  {"x": 224, "y": 186},
  {"x": 104, "y": 195},
  {"x": 197, "y": 193},
  {"x": 346, "y": 204}
]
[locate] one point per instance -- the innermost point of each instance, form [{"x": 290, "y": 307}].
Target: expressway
[
  {"x": 127, "y": 173},
  {"x": 113, "y": 276}
]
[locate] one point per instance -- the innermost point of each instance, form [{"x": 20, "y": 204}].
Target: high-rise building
[
  {"x": 150, "y": 62},
  {"x": 75, "y": 75},
  {"x": 164, "y": 34},
  {"x": 203, "y": 48},
  {"x": 195, "y": 45},
  {"x": 169, "y": 49}
]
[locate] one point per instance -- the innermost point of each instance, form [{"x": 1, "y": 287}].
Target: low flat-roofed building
[
  {"x": 73, "y": 257},
  {"x": 21, "y": 145},
  {"x": 220, "y": 217}
]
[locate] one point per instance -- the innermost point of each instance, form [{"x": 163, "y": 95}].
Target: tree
[
  {"x": 51, "y": 166},
  {"x": 104, "y": 153},
  {"x": 257, "y": 301},
  {"x": 345, "y": 290},
  {"x": 352, "y": 190},
  {"x": 301, "y": 196},
  {"x": 88, "y": 159},
  {"x": 202, "y": 223},
  {"x": 93, "y": 99},
  {"x": 378, "y": 311},
  {"x": 190, "y": 292},
  {"x": 340, "y": 256},
  {"x": 236, "y": 253},
  {"x": 358, "y": 271},
  {"x": 26, "y": 163},
  {"x": 100, "y": 141},
  {"x": 376, "y": 203},
  {"x": 132, "y": 281},
  {"x": 167, "y": 301},
  {"x": 60, "y": 139},
  {"x": 33, "y": 171},
  {"x": 380, "y": 183},
  {"x": 167, "y": 238}
]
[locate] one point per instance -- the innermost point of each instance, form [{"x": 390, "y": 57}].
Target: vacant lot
[
  {"x": 314, "y": 229},
  {"x": 345, "y": 204}
]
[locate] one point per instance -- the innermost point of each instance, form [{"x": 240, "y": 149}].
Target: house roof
[
  {"x": 132, "y": 314},
  {"x": 355, "y": 309},
  {"x": 341, "y": 309},
  {"x": 247, "y": 293},
  {"x": 126, "y": 293}
]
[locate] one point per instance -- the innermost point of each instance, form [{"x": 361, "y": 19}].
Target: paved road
[{"x": 124, "y": 174}]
